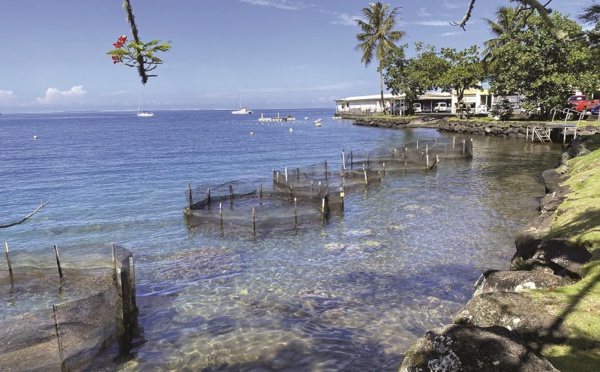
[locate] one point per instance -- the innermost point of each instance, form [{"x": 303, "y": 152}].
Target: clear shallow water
[{"x": 351, "y": 295}]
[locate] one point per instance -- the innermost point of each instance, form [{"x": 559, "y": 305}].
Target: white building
[{"x": 370, "y": 105}]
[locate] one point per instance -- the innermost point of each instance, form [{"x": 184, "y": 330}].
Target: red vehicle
[{"x": 579, "y": 102}]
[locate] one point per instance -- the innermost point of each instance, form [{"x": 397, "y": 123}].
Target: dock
[
  {"x": 542, "y": 132},
  {"x": 277, "y": 119}
]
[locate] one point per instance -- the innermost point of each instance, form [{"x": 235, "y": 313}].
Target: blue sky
[{"x": 283, "y": 53}]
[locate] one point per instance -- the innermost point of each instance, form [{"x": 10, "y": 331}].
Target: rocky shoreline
[
  {"x": 508, "y": 129},
  {"x": 505, "y": 327}
]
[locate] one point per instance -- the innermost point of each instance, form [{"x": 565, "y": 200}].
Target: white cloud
[
  {"x": 451, "y": 33},
  {"x": 6, "y": 95},
  {"x": 450, "y": 5},
  {"x": 345, "y": 19},
  {"x": 279, "y": 4},
  {"x": 55, "y": 96},
  {"x": 433, "y": 23},
  {"x": 422, "y": 12}
]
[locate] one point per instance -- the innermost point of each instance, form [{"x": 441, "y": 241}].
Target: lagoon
[{"x": 350, "y": 295}]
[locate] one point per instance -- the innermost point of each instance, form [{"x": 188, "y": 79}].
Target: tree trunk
[{"x": 381, "y": 91}]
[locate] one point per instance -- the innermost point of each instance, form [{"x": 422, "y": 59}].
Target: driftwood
[{"x": 42, "y": 205}]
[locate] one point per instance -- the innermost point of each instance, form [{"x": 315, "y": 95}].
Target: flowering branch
[{"x": 136, "y": 53}]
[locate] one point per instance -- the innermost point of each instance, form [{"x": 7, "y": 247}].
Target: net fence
[
  {"x": 61, "y": 312},
  {"x": 297, "y": 197}
]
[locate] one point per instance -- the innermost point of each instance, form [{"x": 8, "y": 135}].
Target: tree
[
  {"x": 414, "y": 76},
  {"x": 378, "y": 39},
  {"x": 136, "y": 53},
  {"x": 591, "y": 14},
  {"x": 542, "y": 66},
  {"x": 506, "y": 22},
  {"x": 464, "y": 71},
  {"x": 541, "y": 9}
]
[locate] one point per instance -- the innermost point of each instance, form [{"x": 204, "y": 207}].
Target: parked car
[
  {"x": 441, "y": 107},
  {"x": 595, "y": 110},
  {"x": 417, "y": 107},
  {"x": 580, "y": 102}
]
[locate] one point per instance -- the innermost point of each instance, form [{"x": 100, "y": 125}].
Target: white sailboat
[
  {"x": 242, "y": 110},
  {"x": 141, "y": 112}
]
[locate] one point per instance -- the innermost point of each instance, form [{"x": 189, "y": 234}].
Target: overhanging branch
[{"x": 42, "y": 205}]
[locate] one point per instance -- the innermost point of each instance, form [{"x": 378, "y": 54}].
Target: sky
[{"x": 279, "y": 53}]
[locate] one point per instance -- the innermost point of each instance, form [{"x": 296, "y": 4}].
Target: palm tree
[
  {"x": 378, "y": 38},
  {"x": 506, "y": 22}
]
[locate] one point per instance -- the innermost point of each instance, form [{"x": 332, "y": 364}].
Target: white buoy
[
  {"x": 291, "y": 130},
  {"x": 34, "y": 138}
]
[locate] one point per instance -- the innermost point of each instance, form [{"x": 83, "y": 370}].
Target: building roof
[{"x": 373, "y": 97}]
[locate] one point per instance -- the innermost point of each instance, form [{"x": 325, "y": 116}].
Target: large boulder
[
  {"x": 517, "y": 281},
  {"x": 516, "y": 312},
  {"x": 470, "y": 348}
]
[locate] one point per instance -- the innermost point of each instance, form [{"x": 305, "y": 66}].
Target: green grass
[{"x": 578, "y": 219}]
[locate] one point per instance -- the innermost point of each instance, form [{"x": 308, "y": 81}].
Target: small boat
[
  {"x": 318, "y": 123},
  {"x": 241, "y": 110},
  {"x": 141, "y": 113}
]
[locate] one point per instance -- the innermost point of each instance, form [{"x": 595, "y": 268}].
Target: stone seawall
[
  {"x": 503, "y": 129},
  {"x": 507, "y": 129}
]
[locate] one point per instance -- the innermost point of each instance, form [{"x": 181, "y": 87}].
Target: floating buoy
[
  {"x": 251, "y": 133},
  {"x": 34, "y": 137},
  {"x": 291, "y": 130}
]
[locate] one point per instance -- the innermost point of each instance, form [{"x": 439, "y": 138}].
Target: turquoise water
[{"x": 350, "y": 295}]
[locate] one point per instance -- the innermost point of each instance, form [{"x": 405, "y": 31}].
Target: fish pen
[
  {"x": 64, "y": 309},
  {"x": 298, "y": 197}
]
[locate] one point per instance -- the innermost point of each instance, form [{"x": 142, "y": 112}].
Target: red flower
[
  {"x": 116, "y": 59},
  {"x": 551, "y": 288},
  {"x": 120, "y": 41}
]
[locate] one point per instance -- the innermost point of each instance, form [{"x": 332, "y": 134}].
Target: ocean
[{"x": 351, "y": 294}]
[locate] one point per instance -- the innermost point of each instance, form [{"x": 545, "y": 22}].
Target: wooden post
[
  {"x": 298, "y": 173},
  {"x": 351, "y": 159},
  {"x": 291, "y": 192},
  {"x": 190, "y": 199},
  {"x": 342, "y": 195},
  {"x": 417, "y": 144},
  {"x": 384, "y": 169},
  {"x": 208, "y": 197},
  {"x": 427, "y": 161},
  {"x": 10, "y": 271},
  {"x": 58, "y": 261},
  {"x": 254, "y": 220},
  {"x": 527, "y": 134},
  {"x": 295, "y": 213},
  {"x": 221, "y": 214},
  {"x": 427, "y": 149},
  {"x": 453, "y": 142},
  {"x": 60, "y": 347},
  {"x": 343, "y": 161},
  {"x": 365, "y": 173},
  {"x": 326, "y": 171},
  {"x": 286, "y": 176},
  {"x": 231, "y": 192},
  {"x": 464, "y": 146},
  {"x": 260, "y": 193}
]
